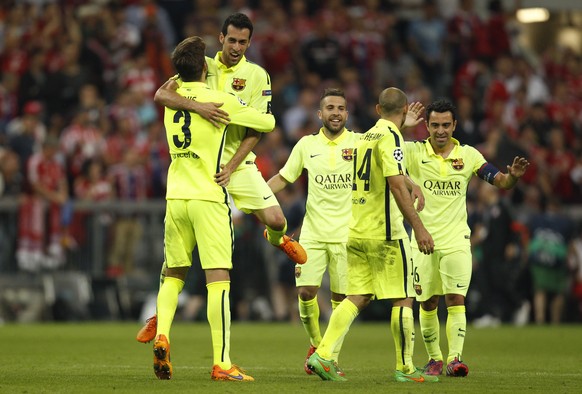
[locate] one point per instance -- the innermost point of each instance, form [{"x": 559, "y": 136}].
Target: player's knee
[{"x": 307, "y": 293}]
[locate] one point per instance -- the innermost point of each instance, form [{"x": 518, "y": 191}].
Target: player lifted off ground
[
  {"x": 327, "y": 155},
  {"x": 442, "y": 168},
  {"x": 198, "y": 210},
  {"x": 231, "y": 72},
  {"x": 378, "y": 248}
]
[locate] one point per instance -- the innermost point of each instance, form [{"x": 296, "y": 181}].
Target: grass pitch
[{"x": 105, "y": 358}]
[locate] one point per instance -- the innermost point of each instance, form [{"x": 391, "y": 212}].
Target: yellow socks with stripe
[
  {"x": 430, "y": 329},
  {"x": 340, "y": 342},
  {"x": 276, "y": 237},
  {"x": 309, "y": 314},
  {"x": 456, "y": 329},
  {"x": 218, "y": 314},
  {"x": 167, "y": 303},
  {"x": 402, "y": 327},
  {"x": 339, "y": 324}
]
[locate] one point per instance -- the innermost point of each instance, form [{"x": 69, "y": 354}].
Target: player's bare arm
[
  {"x": 277, "y": 183},
  {"x": 515, "y": 171},
  {"x": 166, "y": 95},
  {"x": 246, "y": 146},
  {"x": 415, "y": 193},
  {"x": 402, "y": 196}
]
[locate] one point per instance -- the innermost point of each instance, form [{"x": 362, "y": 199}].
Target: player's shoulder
[{"x": 469, "y": 150}]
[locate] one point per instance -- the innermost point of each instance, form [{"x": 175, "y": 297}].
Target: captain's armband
[{"x": 487, "y": 172}]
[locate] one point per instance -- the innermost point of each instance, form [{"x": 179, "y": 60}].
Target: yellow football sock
[
  {"x": 340, "y": 342},
  {"x": 402, "y": 327},
  {"x": 339, "y": 325},
  {"x": 218, "y": 314},
  {"x": 309, "y": 314},
  {"x": 456, "y": 329},
  {"x": 430, "y": 329},
  {"x": 276, "y": 237},
  {"x": 167, "y": 303}
]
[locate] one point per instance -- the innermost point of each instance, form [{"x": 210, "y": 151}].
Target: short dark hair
[
  {"x": 189, "y": 58},
  {"x": 331, "y": 92},
  {"x": 441, "y": 105},
  {"x": 238, "y": 20}
]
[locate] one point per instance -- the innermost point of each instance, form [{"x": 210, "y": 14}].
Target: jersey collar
[
  {"x": 387, "y": 123},
  {"x": 332, "y": 142},
  {"x": 430, "y": 150},
  {"x": 223, "y": 67}
]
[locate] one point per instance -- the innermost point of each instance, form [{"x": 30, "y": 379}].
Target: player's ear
[{"x": 221, "y": 38}]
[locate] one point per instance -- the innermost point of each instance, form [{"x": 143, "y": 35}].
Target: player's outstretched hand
[
  {"x": 212, "y": 113},
  {"x": 517, "y": 169},
  {"x": 414, "y": 114}
]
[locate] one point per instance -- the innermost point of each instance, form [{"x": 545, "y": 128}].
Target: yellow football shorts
[
  {"x": 249, "y": 190},
  {"x": 443, "y": 272},
  {"x": 321, "y": 256},
  {"x": 381, "y": 268},
  {"x": 196, "y": 222}
]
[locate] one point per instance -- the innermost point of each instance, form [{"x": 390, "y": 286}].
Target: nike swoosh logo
[
  {"x": 237, "y": 377},
  {"x": 325, "y": 368},
  {"x": 460, "y": 329},
  {"x": 420, "y": 380},
  {"x": 425, "y": 162},
  {"x": 426, "y": 336},
  {"x": 266, "y": 198},
  {"x": 312, "y": 156},
  {"x": 460, "y": 286}
]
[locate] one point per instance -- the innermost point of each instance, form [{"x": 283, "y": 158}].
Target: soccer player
[
  {"x": 198, "y": 209},
  {"x": 378, "y": 248},
  {"x": 231, "y": 72},
  {"x": 327, "y": 155},
  {"x": 442, "y": 169}
]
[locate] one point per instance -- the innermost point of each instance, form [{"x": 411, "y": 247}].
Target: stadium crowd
[{"x": 78, "y": 123}]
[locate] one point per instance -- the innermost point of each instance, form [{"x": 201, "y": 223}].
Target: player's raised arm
[{"x": 166, "y": 95}]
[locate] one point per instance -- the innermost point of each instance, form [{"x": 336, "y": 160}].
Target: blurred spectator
[
  {"x": 499, "y": 267},
  {"x": 27, "y": 133},
  {"x": 11, "y": 177},
  {"x": 321, "y": 52},
  {"x": 154, "y": 149},
  {"x": 427, "y": 42},
  {"x": 39, "y": 241},
  {"x": 81, "y": 140},
  {"x": 33, "y": 83},
  {"x": 129, "y": 179},
  {"x": 92, "y": 185},
  {"x": 575, "y": 264},
  {"x": 467, "y": 35},
  {"x": 551, "y": 232}
]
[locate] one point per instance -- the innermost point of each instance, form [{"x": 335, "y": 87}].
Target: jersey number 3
[{"x": 185, "y": 130}]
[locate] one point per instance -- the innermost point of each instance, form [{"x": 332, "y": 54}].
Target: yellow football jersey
[{"x": 196, "y": 146}]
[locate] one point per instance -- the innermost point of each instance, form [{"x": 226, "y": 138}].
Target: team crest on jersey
[
  {"x": 398, "y": 154},
  {"x": 297, "y": 272},
  {"x": 238, "y": 84},
  {"x": 418, "y": 289},
  {"x": 458, "y": 164},
  {"x": 348, "y": 154}
]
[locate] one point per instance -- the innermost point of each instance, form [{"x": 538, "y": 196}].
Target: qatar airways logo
[
  {"x": 334, "y": 181},
  {"x": 443, "y": 188}
]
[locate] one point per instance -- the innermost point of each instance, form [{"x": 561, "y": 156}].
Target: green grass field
[{"x": 105, "y": 358}]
